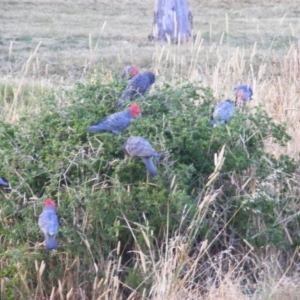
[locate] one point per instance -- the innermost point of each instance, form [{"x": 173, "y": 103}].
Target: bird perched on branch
[
  {"x": 243, "y": 93},
  {"x": 137, "y": 146},
  {"x": 4, "y": 182},
  {"x": 48, "y": 223},
  {"x": 223, "y": 112},
  {"x": 129, "y": 72},
  {"x": 117, "y": 122},
  {"x": 136, "y": 86}
]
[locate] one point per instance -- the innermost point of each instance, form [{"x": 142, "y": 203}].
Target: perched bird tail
[
  {"x": 3, "y": 182},
  {"x": 118, "y": 103},
  {"x": 150, "y": 166},
  {"x": 94, "y": 128},
  {"x": 51, "y": 243}
]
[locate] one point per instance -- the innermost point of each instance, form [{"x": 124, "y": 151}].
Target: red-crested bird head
[
  {"x": 135, "y": 110},
  {"x": 129, "y": 72},
  {"x": 240, "y": 95},
  {"x": 133, "y": 71},
  {"x": 49, "y": 202}
]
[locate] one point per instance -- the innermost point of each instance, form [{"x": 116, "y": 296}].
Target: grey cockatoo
[
  {"x": 137, "y": 146},
  {"x": 117, "y": 122},
  {"x": 223, "y": 112},
  {"x": 48, "y": 223},
  {"x": 243, "y": 92},
  {"x": 137, "y": 86}
]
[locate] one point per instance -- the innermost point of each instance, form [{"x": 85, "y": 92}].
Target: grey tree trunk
[{"x": 172, "y": 21}]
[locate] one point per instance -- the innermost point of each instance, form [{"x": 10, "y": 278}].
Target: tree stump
[{"x": 172, "y": 21}]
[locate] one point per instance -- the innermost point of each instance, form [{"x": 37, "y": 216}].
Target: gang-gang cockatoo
[
  {"x": 223, "y": 112},
  {"x": 137, "y": 146},
  {"x": 243, "y": 93},
  {"x": 117, "y": 122},
  {"x": 136, "y": 86},
  {"x": 48, "y": 223}
]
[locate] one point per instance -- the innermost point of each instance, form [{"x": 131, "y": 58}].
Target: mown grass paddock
[{"x": 186, "y": 234}]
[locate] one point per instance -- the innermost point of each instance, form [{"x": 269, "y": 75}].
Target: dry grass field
[{"x": 52, "y": 45}]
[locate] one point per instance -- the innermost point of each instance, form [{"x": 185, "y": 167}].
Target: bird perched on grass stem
[
  {"x": 117, "y": 122},
  {"x": 243, "y": 93},
  {"x": 48, "y": 223},
  {"x": 137, "y": 146},
  {"x": 129, "y": 72},
  {"x": 223, "y": 112},
  {"x": 136, "y": 86}
]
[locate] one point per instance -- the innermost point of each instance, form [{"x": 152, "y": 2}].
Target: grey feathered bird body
[
  {"x": 136, "y": 87},
  {"x": 223, "y": 112},
  {"x": 115, "y": 123},
  {"x": 137, "y": 146},
  {"x": 48, "y": 223}
]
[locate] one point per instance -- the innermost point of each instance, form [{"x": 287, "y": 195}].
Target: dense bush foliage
[{"x": 50, "y": 154}]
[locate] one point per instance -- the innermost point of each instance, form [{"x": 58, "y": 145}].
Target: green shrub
[{"x": 50, "y": 154}]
